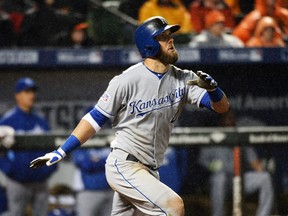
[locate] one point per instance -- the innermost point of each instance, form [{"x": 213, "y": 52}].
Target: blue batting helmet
[{"x": 145, "y": 35}]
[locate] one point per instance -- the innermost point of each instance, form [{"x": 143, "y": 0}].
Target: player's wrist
[
  {"x": 70, "y": 144},
  {"x": 216, "y": 95},
  {"x": 60, "y": 152}
]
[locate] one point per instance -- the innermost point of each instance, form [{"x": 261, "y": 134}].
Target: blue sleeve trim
[
  {"x": 71, "y": 143},
  {"x": 216, "y": 95},
  {"x": 205, "y": 101},
  {"x": 98, "y": 117},
  {"x": 104, "y": 112}
]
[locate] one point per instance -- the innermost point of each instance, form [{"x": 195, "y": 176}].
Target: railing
[
  {"x": 126, "y": 55},
  {"x": 197, "y": 136}
]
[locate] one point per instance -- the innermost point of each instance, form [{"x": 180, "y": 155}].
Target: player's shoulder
[
  {"x": 10, "y": 114},
  {"x": 40, "y": 119},
  {"x": 129, "y": 73},
  {"x": 132, "y": 69}
]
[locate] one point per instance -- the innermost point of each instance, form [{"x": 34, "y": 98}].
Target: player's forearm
[
  {"x": 83, "y": 131},
  {"x": 87, "y": 127},
  {"x": 218, "y": 100},
  {"x": 80, "y": 135},
  {"x": 221, "y": 106}
]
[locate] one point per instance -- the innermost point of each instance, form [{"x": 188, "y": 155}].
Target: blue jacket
[
  {"x": 3, "y": 200},
  {"x": 17, "y": 163},
  {"x": 62, "y": 212},
  {"x": 91, "y": 162},
  {"x": 174, "y": 168}
]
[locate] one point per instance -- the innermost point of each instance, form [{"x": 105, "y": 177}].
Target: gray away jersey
[{"x": 145, "y": 109}]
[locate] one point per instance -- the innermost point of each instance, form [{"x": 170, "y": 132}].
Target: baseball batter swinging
[{"x": 144, "y": 102}]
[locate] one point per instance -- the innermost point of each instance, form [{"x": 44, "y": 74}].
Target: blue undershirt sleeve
[
  {"x": 205, "y": 102},
  {"x": 98, "y": 117}
]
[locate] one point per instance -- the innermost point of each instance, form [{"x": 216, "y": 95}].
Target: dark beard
[{"x": 167, "y": 58}]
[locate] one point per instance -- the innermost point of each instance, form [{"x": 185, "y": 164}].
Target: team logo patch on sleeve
[{"x": 105, "y": 97}]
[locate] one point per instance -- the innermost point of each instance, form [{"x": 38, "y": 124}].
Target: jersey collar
[{"x": 159, "y": 75}]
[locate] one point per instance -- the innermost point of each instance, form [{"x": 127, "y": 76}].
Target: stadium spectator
[
  {"x": 214, "y": 34},
  {"x": 272, "y": 8},
  {"x": 131, "y": 7},
  {"x": 200, "y": 8},
  {"x": 172, "y": 10},
  {"x": 186, "y": 2},
  {"x": 219, "y": 161},
  {"x": 266, "y": 34},
  {"x": 77, "y": 37},
  {"x": 42, "y": 26},
  {"x": 94, "y": 195},
  {"x": 235, "y": 7},
  {"x": 7, "y": 34},
  {"x": 80, "y": 8},
  {"x": 21, "y": 6},
  {"x": 240, "y": 7},
  {"x": 16, "y": 9},
  {"x": 284, "y": 3},
  {"x": 25, "y": 185}
]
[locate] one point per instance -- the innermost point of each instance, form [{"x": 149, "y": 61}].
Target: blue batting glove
[{"x": 48, "y": 159}]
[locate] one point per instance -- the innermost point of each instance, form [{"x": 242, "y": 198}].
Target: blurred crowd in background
[{"x": 88, "y": 23}]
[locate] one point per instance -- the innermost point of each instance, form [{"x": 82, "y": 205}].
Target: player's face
[
  {"x": 26, "y": 99},
  {"x": 168, "y": 53}
]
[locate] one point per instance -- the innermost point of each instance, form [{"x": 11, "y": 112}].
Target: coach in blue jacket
[
  {"x": 25, "y": 185},
  {"x": 94, "y": 195}
]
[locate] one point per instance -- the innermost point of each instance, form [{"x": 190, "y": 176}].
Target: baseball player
[{"x": 144, "y": 102}]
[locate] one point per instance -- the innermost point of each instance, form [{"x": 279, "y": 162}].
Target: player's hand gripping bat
[{"x": 203, "y": 80}]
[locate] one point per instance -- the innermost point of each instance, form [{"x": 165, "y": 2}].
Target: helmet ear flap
[
  {"x": 152, "y": 48},
  {"x": 148, "y": 47}
]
